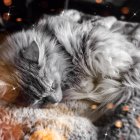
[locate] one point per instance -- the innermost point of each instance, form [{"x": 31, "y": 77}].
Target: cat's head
[{"x": 29, "y": 69}]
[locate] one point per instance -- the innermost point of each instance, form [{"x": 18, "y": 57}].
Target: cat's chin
[
  {"x": 46, "y": 105},
  {"x": 41, "y": 104}
]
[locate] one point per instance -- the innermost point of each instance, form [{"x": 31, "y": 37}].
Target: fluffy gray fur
[{"x": 74, "y": 60}]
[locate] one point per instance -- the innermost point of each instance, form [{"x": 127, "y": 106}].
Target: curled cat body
[{"x": 60, "y": 58}]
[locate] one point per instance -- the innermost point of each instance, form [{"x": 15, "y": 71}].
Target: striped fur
[{"x": 85, "y": 61}]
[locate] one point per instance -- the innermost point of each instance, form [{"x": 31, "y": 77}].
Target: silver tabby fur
[{"x": 74, "y": 60}]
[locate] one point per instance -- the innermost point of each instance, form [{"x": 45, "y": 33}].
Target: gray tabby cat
[{"x": 61, "y": 57}]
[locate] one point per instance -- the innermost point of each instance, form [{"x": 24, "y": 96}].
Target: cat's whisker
[{"x": 35, "y": 104}]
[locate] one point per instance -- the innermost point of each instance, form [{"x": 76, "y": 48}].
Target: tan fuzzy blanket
[{"x": 65, "y": 121}]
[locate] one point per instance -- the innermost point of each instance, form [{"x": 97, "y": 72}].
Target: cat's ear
[{"x": 31, "y": 52}]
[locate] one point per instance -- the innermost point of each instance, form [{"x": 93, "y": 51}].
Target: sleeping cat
[{"x": 62, "y": 58}]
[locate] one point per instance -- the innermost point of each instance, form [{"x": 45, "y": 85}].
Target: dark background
[{"x": 16, "y": 14}]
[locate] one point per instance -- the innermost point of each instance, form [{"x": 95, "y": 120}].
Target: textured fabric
[
  {"x": 130, "y": 129},
  {"x": 66, "y": 121}
]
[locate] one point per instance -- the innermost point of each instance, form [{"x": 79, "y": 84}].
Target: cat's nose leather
[{"x": 50, "y": 99}]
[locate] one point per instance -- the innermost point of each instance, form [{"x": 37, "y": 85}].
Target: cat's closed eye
[{"x": 54, "y": 86}]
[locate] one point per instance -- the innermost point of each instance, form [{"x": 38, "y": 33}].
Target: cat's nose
[
  {"x": 55, "y": 97},
  {"x": 50, "y": 99}
]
